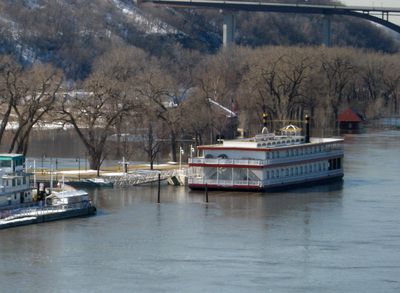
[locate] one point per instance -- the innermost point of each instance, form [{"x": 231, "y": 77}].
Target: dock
[
  {"x": 138, "y": 177},
  {"x": 34, "y": 214}
]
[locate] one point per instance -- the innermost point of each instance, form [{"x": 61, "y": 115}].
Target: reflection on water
[{"x": 341, "y": 237}]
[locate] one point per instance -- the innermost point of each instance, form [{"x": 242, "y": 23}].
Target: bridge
[{"x": 378, "y": 15}]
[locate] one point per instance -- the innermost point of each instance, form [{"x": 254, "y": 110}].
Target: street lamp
[
  {"x": 181, "y": 152},
  {"x": 79, "y": 168},
  {"x": 192, "y": 150}
]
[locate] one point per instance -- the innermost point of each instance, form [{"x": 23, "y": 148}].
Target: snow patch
[{"x": 143, "y": 21}]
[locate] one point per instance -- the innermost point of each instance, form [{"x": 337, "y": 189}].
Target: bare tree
[
  {"x": 277, "y": 83},
  {"x": 111, "y": 95},
  {"x": 11, "y": 89},
  {"x": 36, "y": 99},
  {"x": 152, "y": 144}
]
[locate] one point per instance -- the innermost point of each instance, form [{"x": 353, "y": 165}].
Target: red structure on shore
[{"x": 349, "y": 120}]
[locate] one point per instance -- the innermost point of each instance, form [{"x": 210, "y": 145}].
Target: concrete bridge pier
[
  {"x": 326, "y": 30},
  {"x": 228, "y": 29}
]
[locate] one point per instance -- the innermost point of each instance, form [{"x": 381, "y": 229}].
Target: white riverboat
[{"x": 267, "y": 161}]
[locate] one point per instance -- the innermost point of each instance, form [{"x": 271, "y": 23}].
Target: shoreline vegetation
[{"x": 162, "y": 102}]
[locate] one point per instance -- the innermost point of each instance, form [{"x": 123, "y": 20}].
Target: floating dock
[{"x": 37, "y": 214}]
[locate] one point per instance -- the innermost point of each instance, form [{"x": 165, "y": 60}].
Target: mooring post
[
  {"x": 159, "y": 188},
  {"x": 206, "y": 193}
]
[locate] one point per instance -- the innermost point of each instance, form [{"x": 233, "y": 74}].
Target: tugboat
[
  {"x": 21, "y": 204},
  {"x": 268, "y": 161}
]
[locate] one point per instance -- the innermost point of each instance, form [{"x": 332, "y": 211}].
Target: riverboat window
[
  {"x": 15, "y": 196},
  {"x": 267, "y": 174},
  {"x": 301, "y": 170},
  {"x": 13, "y": 182},
  {"x": 291, "y": 171},
  {"x": 24, "y": 180},
  {"x": 272, "y": 174},
  {"x": 310, "y": 169},
  {"x": 297, "y": 152},
  {"x": 297, "y": 171},
  {"x": 335, "y": 164},
  {"x": 5, "y": 164},
  {"x": 287, "y": 172}
]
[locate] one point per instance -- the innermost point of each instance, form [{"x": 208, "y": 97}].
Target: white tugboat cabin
[
  {"x": 15, "y": 187},
  {"x": 267, "y": 161}
]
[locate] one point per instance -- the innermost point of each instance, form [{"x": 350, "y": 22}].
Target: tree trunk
[
  {"x": 4, "y": 121},
  {"x": 95, "y": 161},
  {"x": 173, "y": 146}
]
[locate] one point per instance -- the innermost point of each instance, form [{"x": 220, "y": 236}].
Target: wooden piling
[
  {"x": 159, "y": 188},
  {"x": 206, "y": 193}
]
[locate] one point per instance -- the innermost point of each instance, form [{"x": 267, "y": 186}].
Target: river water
[{"x": 341, "y": 237}]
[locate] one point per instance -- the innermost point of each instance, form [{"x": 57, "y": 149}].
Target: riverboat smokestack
[
  {"x": 265, "y": 123},
  {"x": 307, "y": 138},
  {"x": 265, "y": 119}
]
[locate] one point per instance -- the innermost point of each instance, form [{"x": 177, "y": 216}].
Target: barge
[{"x": 268, "y": 161}]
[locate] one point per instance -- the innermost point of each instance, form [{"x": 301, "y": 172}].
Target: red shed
[{"x": 348, "y": 119}]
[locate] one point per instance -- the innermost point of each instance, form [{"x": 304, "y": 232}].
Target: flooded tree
[
  {"x": 277, "y": 84},
  {"x": 338, "y": 69},
  {"x": 110, "y": 95},
  {"x": 162, "y": 96}
]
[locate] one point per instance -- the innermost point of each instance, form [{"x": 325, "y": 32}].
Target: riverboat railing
[
  {"x": 200, "y": 180},
  {"x": 271, "y": 181},
  {"x": 248, "y": 162}
]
